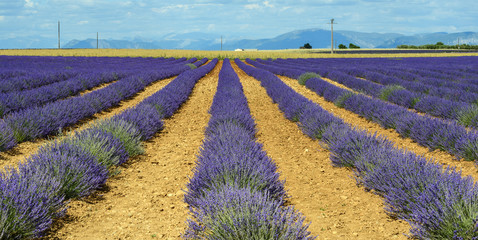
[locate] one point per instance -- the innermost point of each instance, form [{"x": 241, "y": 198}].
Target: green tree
[
  {"x": 307, "y": 46},
  {"x": 352, "y": 46},
  {"x": 341, "y": 46}
]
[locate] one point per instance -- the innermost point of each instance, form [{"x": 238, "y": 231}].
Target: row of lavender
[
  {"x": 28, "y": 72},
  {"x": 36, "y": 193},
  {"x": 235, "y": 192},
  {"x": 431, "y": 132},
  {"x": 40, "y": 121},
  {"x": 437, "y": 70},
  {"x": 38, "y": 88},
  {"x": 438, "y": 203},
  {"x": 18, "y": 100},
  {"x": 457, "y": 103}
]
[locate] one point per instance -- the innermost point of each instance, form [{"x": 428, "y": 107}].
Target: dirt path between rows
[
  {"x": 95, "y": 88},
  {"x": 145, "y": 201},
  {"x": 327, "y": 196},
  {"x": 17, "y": 154},
  {"x": 351, "y": 118},
  {"x": 347, "y": 88}
]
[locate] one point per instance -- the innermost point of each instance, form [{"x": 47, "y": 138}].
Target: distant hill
[
  {"x": 432, "y": 38},
  {"x": 91, "y": 43},
  {"x": 318, "y": 38}
]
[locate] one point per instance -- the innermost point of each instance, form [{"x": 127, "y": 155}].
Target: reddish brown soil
[
  {"x": 442, "y": 157},
  {"x": 145, "y": 200},
  {"x": 25, "y": 149},
  {"x": 327, "y": 196}
]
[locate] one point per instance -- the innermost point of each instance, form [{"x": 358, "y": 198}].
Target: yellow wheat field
[{"x": 264, "y": 54}]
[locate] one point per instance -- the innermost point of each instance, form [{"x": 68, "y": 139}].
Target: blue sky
[{"x": 252, "y": 19}]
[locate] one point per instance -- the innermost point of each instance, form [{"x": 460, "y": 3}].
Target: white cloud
[
  {"x": 244, "y": 26},
  {"x": 252, "y": 6},
  {"x": 86, "y": 2},
  {"x": 169, "y": 8},
  {"x": 268, "y": 4},
  {"x": 159, "y": 10},
  {"x": 126, "y": 4},
  {"x": 299, "y": 10},
  {"x": 2, "y": 18},
  {"x": 82, "y": 22},
  {"x": 47, "y": 26},
  {"x": 211, "y": 27},
  {"x": 29, "y": 3},
  {"x": 285, "y": 8}
]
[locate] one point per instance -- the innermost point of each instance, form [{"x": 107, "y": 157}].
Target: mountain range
[{"x": 318, "y": 38}]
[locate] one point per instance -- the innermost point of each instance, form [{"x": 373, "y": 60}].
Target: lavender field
[{"x": 303, "y": 148}]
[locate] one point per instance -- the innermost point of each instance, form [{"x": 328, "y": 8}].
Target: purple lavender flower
[
  {"x": 28, "y": 205},
  {"x": 77, "y": 171},
  {"x": 7, "y": 140},
  {"x": 145, "y": 118},
  {"x": 242, "y": 213}
]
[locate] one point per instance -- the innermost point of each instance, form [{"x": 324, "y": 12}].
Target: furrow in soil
[
  {"x": 326, "y": 195},
  {"x": 17, "y": 154},
  {"x": 145, "y": 200},
  {"x": 353, "y": 119}
]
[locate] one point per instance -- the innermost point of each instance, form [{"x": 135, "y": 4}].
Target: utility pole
[
  {"x": 458, "y": 43},
  {"x": 96, "y": 40},
  {"x": 221, "y": 42},
  {"x": 332, "y": 35},
  {"x": 58, "y": 34}
]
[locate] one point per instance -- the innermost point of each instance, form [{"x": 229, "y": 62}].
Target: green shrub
[
  {"x": 388, "y": 90},
  {"x": 468, "y": 116},
  {"x": 125, "y": 132},
  {"x": 192, "y": 66},
  {"x": 339, "y": 102},
  {"x": 98, "y": 145},
  {"x": 306, "y": 76}
]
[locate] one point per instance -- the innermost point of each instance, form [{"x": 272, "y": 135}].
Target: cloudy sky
[{"x": 252, "y": 19}]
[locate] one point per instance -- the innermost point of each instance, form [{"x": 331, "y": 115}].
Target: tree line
[{"x": 438, "y": 45}]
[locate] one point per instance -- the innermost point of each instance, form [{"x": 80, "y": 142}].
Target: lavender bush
[
  {"x": 241, "y": 213},
  {"x": 28, "y": 205},
  {"x": 34, "y": 194},
  {"x": 427, "y": 131},
  {"x": 14, "y": 101},
  {"x": 77, "y": 172},
  {"x": 231, "y": 157},
  {"x": 235, "y": 192},
  {"x": 40, "y": 121},
  {"x": 437, "y": 101},
  {"x": 126, "y": 132},
  {"x": 438, "y": 203},
  {"x": 306, "y": 76},
  {"x": 107, "y": 149},
  {"x": 7, "y": 139},
  {"x": 145, "y": 118}
]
